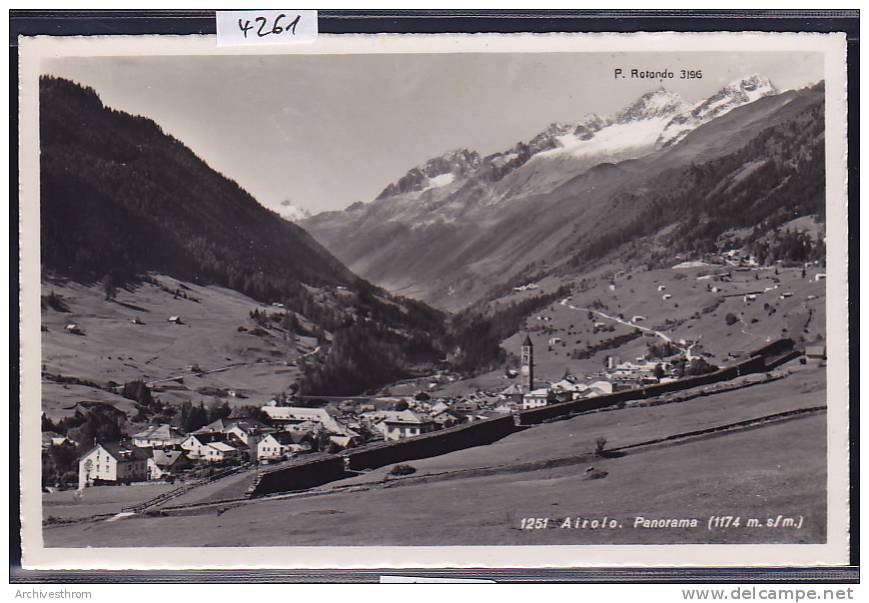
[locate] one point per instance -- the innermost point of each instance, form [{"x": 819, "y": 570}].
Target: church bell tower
[{"x": 527, "y": 370}]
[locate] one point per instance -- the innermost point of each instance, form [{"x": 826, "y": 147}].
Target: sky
[{"x": 325, "y": 131}]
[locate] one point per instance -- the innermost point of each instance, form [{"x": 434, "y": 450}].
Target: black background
[{"x": 124, "y": 22}]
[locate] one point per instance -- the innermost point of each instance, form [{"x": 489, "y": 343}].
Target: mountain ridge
[
  {"x": 427, "y": 244},
  {"x": 677, "y": 117},
  {"x": 120, "y": 199}
]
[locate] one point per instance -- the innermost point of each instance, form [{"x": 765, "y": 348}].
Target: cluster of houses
[{"x": 161, "y": 452}]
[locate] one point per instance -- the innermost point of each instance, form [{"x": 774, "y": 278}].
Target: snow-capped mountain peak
[
  {"x": 291, "y": 212},
  {"x": 652, "y": 105},
  {"x": 435, "y": 173},
  {"x": 738, "y": 92},
  {"x": 657, "y": 119}
]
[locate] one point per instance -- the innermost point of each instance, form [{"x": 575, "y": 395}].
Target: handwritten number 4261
[{"x": 245, "y": 26}]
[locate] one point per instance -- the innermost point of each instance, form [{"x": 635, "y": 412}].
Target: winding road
[{"x": 687, "y": 351}]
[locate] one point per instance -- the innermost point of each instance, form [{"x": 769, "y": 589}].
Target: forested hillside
[{"x": 120, "y": 197}]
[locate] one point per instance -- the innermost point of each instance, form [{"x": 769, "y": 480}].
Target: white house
[
  {"x": 247, "y": 431},
  {"x": 113, "y": 462},
  {"x": 220, "y": 451},
  {"x": 52, "y": 438},
  {"x": 275, "y": 446},
  {"x": 158, "y": 436},
  {"x": 535, "y": 399},
  {"x": 405, "y": 424},
  {"x": 196, "y": 444}
]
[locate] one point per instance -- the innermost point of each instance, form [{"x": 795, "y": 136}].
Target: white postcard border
[{"x": 32, "y": 51}]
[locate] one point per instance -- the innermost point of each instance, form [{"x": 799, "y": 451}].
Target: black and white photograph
[{"x": 467, "y": 294}]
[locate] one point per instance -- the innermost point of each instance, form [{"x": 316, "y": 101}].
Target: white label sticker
[{"x": 257, "y": 27}]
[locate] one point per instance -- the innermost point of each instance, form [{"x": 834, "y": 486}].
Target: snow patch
[
  {"x": 629, "y": 137},
  {"x": 441, "y": 180}
]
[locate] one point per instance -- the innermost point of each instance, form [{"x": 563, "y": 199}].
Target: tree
[
  {"x": 48, "y": 424},
  {"x": 219, "y": 411},
  {"x": 58, "y": 462},
  {"x": 193, "y": 417},
  {"x": 251, "y": 412},
  {"x": 599, "y": 446},
  {"x": 698, "y": 366},
  {"x": 110, "y": 286},
  {"x": 96, "y": 426},
  {"x": 138, "y": 391}
]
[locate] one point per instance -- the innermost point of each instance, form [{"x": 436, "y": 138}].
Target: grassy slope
[
  {"x": 742, "y": 475},
  {"x": 99, "y": 499},
  {"x": 115, "y": 349},
  {"x": 773, "y": 469},
  {"x": 639, "y": 296}
]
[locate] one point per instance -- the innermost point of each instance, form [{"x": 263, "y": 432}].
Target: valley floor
[{"x": 479, "y": 496}]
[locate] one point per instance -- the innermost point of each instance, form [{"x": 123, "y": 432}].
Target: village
[
  {"x": 623, "y": 351},
  {"x": 280, "y": 432}
]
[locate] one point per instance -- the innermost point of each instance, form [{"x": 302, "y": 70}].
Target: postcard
[{"x": 491, "y": 300}]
